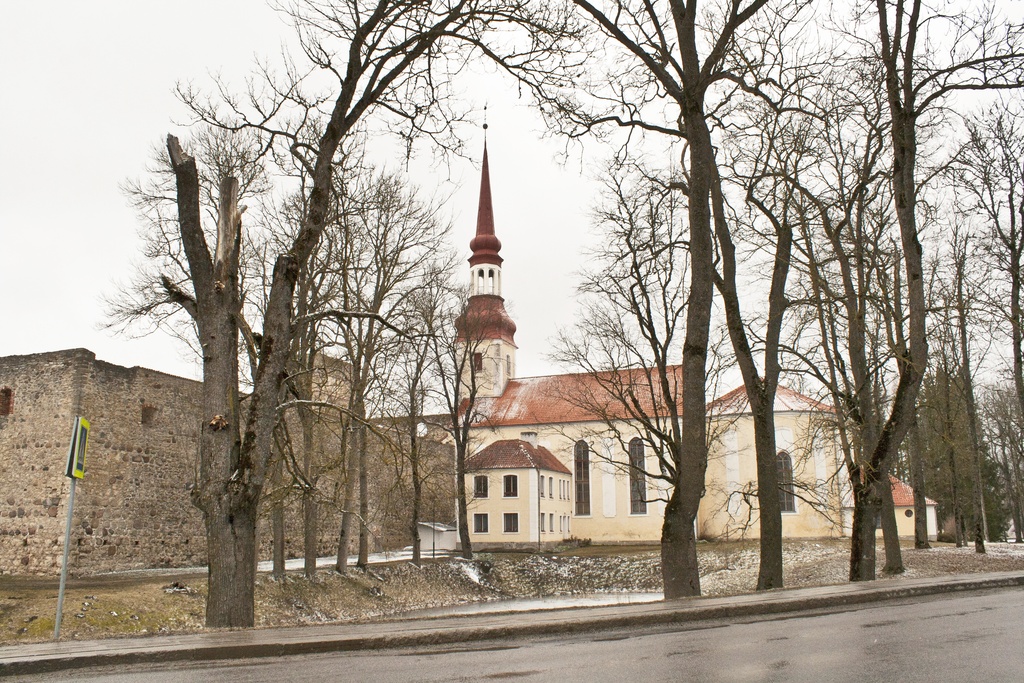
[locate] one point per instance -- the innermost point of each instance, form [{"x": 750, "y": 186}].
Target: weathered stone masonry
[{"x": 132, "y": 510}]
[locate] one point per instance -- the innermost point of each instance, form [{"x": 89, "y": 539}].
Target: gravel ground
[
  {"x": 726, "y": 569},
  {"x": 103, "y": 607}
]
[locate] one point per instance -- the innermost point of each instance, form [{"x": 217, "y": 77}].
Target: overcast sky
[{"x": 87, "y": 91}]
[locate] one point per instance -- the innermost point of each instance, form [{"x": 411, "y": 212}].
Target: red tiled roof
[
  {"x": 512, "y": 454},
  {"x": 584, "y": 397},
  {"x": 903, "y": 494},
  {"x": 786, "y": 400}
]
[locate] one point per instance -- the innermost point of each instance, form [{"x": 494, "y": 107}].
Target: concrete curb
[{"x": 255, "y": 643}]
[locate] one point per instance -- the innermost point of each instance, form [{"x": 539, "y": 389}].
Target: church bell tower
[{"x": 485, "y": 327}]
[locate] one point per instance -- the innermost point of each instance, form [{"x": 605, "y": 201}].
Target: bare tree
[
  {"x": 1003, "y": 425},
  {"x": 668, "y": 68},
  {"x": 965, "y": 303},
  {"x": 768, "y": 152},
  {"x": 387, "y": 240},
  {"x": 381, "y": 58},
  {"x": 634, "y": 311},
  {"x": 985, "y": 54},
  {"x": 457, "y": 333},
  {"x": 989, "y": 174}
]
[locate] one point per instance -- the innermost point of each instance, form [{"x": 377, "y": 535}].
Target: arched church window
[
  {"x": 490, "y": 281},
  {"x": 787, "y": 497},
  {"x": 581, "y": 458},
  {"x": 637, "y": 478}
]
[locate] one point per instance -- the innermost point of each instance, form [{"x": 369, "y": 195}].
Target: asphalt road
[{"x": 976, "y": 636}]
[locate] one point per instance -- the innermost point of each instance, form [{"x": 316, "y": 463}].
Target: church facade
[{"x": 553, "y": 460}]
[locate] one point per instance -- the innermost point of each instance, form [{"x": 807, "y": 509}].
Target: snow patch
[{"x": 471, "y": 571}]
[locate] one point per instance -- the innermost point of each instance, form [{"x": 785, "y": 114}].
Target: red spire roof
[{"x": 485, "y": 245}]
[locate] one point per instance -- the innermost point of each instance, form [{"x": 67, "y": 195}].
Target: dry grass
[{"x": 147, "y": 603}]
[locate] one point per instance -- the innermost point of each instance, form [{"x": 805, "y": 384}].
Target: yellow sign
[{"x": 76, "y": 452}]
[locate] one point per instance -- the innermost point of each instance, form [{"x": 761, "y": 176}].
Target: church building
[{"x": 547, "y": 466}]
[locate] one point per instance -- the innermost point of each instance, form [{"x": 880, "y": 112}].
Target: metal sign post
[{"x": 75, "y": 471}]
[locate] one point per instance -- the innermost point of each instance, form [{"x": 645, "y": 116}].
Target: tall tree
[
  {"x": 380, "y": 58},
  {"x": 634, "y": 310},
  {"x": 768, "y": 155},
  {"x": 666, "y": 68},
  {"x": 989, "y": 174},
  {"x": 456, "y": 332},
  {"x": 846, "y": 255},
  {"x": 984, "y": 54},
  {"x": 388, "y": 240},
  {"x": 965, "y": 304}
]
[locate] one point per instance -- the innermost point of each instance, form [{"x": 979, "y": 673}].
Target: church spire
[
  {"x": 485, "y": 245},
  {"x": 485, "y": 325}
]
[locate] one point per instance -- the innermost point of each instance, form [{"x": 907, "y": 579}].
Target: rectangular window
[
  {"x": 478, "y": 361},
  {"x": 480, "y": 486},
  {"x": 551, "y": 487},
  {"x": 542, "y": 486},
  {"x": 551, "y": 521},
  {"x": 480, "y": 523},
  {"x": 542, "y": 522},
  {"x": 511, "y": 486},
  {"x": 511, "y": 522}
]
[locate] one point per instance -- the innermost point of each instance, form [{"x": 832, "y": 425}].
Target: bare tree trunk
[
  {"x": 862, "y": 537},
  {"x": 1012, "y": 489},
  {"x": 761, "y": 390},
  {"x": 355, "y": 444},
  {"x": 958, "y": 514},
  {"x": 465, "y": 543},
  {"x": 414, "y": 463},
  {"x": 960, "y": 247},
  {"x": 225, "y": 493},
  {"x": 364, "y": 509},
  {"x": 769, "y": 573},
  {"x": 310, "y": 533},
  {"x": 680, "y": 570},
  {"x": 918, "y": 483},
  {"x": 679, "y": 550},
  {"x": 277, "y": 525},
  {"x": 1017, "y": 500},
  {"x": 890, "y": 533},
  {"x": 417, "y": 502},
  {"x": 310, "y": 529}
]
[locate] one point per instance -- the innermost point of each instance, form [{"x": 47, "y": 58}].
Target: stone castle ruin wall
[{"x": 132, "y": 509}]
